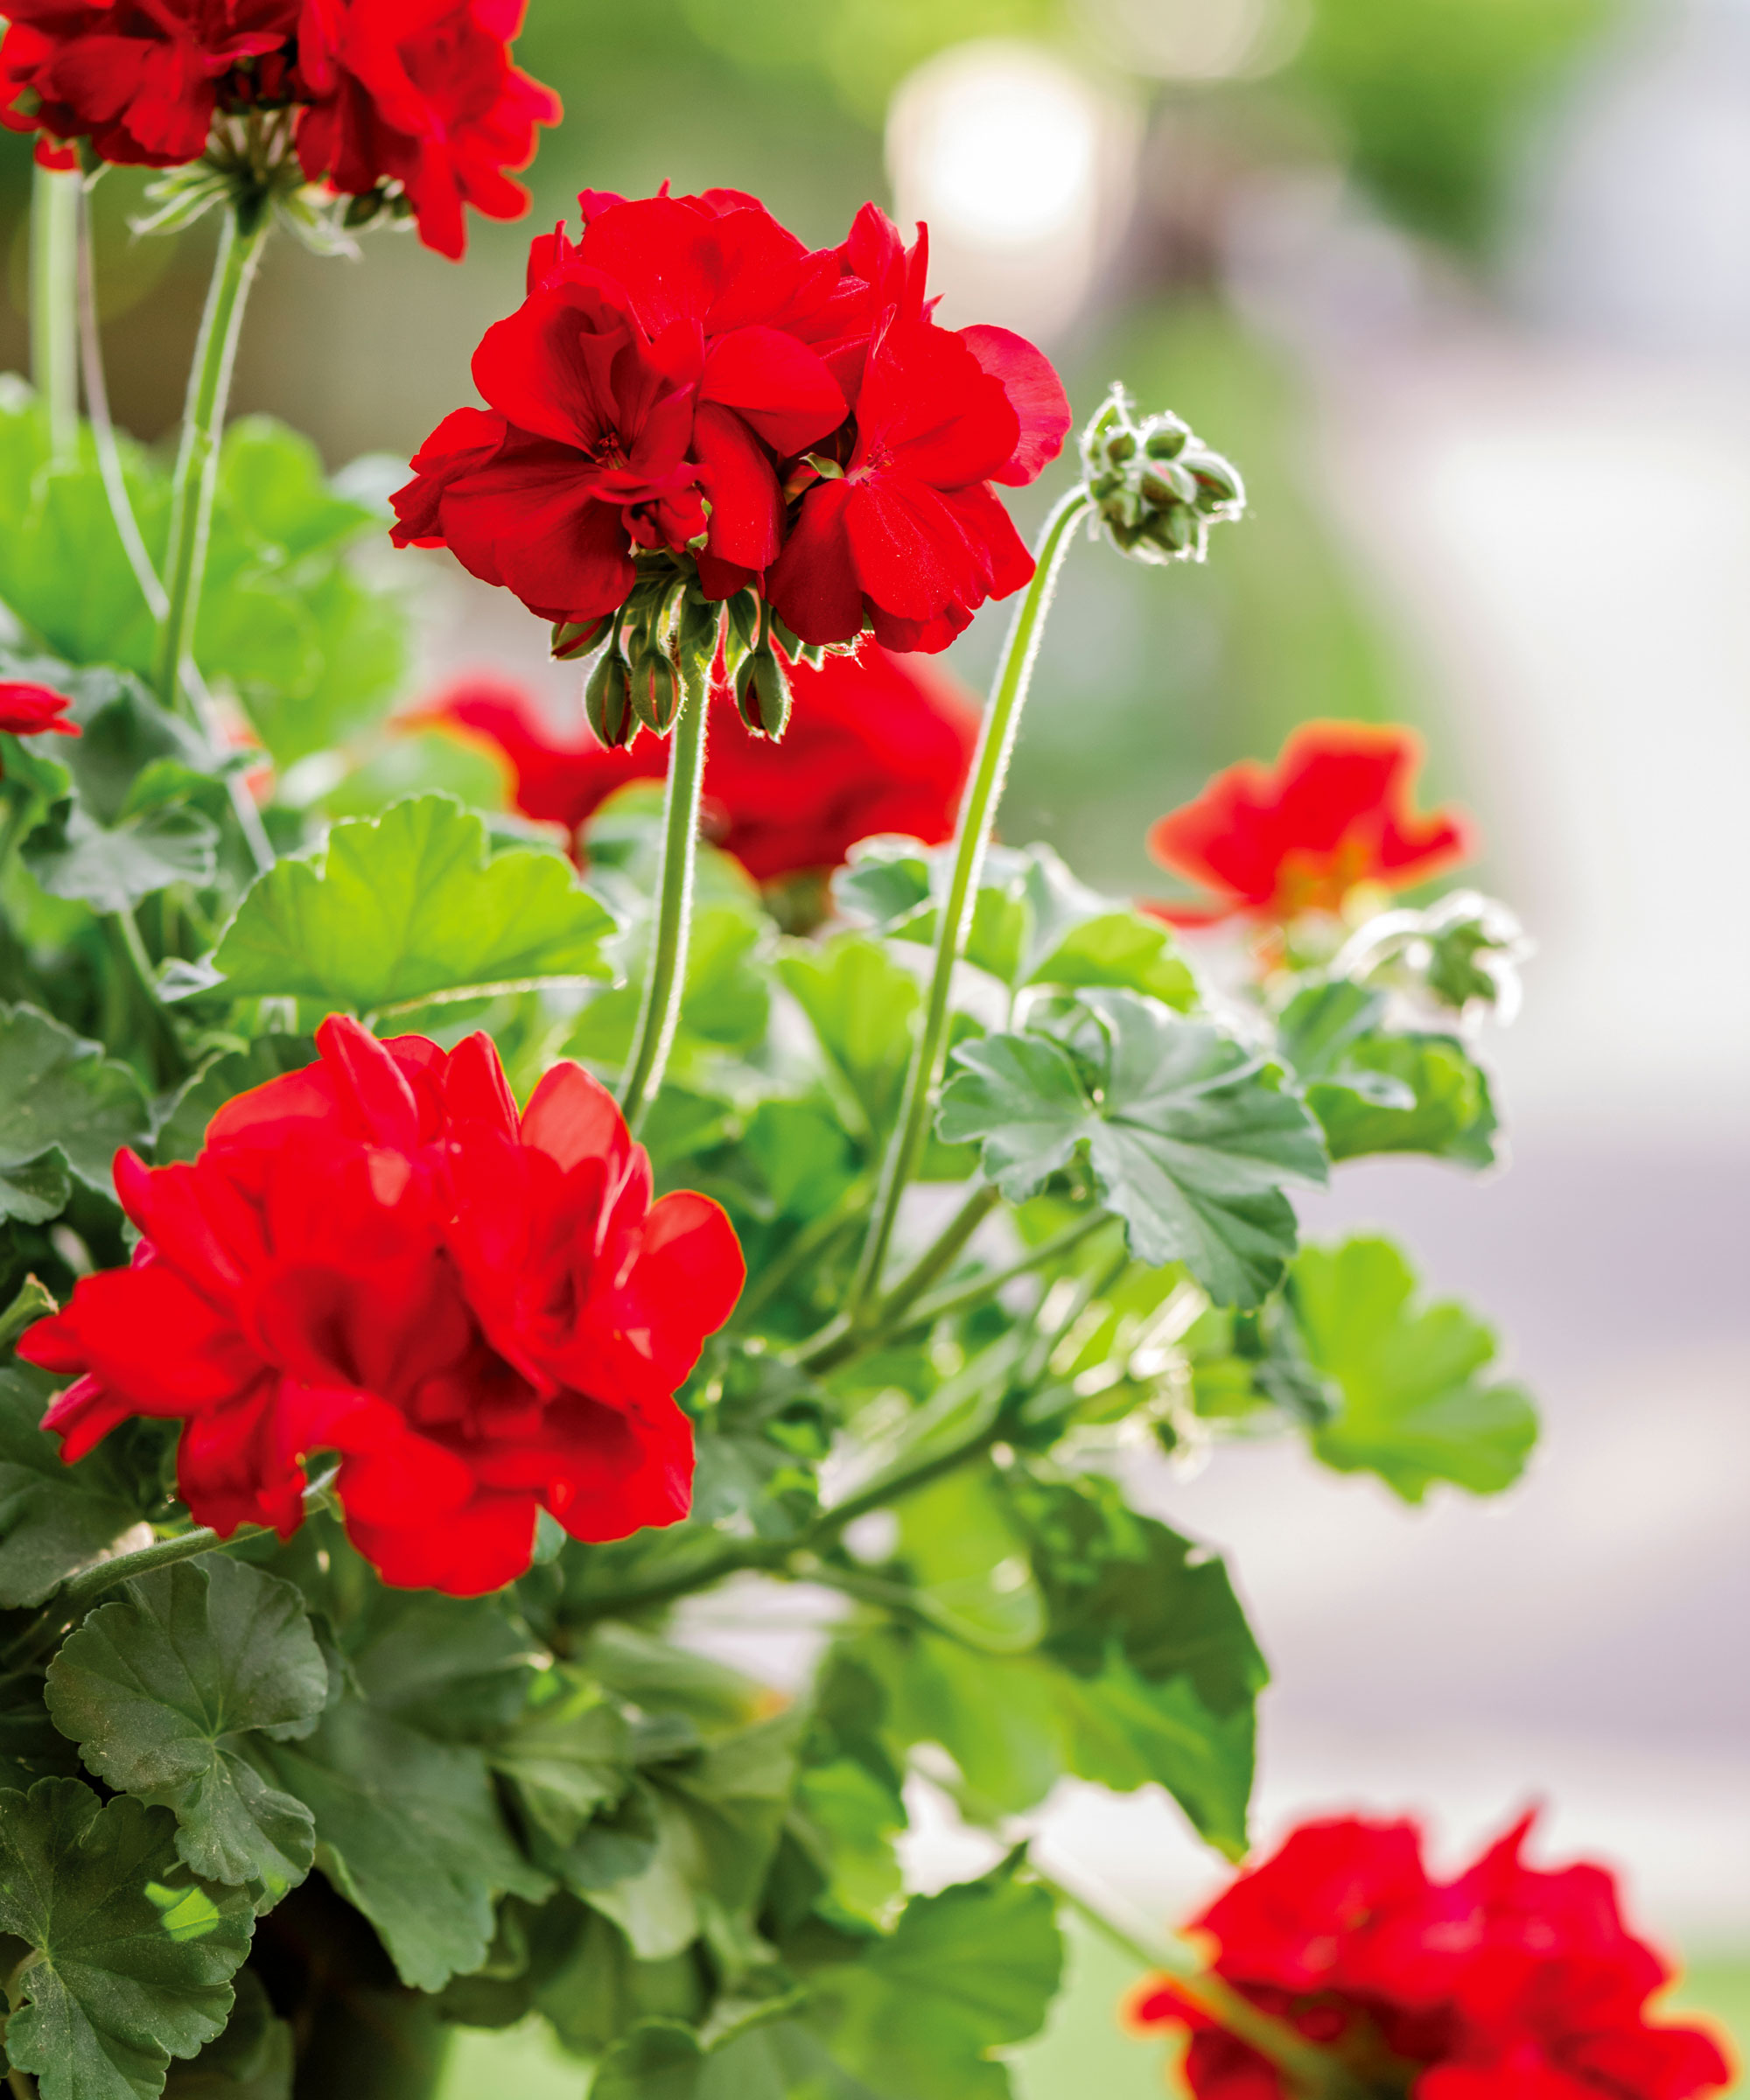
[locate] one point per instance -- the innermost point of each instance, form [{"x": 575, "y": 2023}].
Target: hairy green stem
[
  {"x": 996, "y": 744},
  {"x": 1312, "y": 2071},
  {"x": 163, "y": 1045},
  {"x": 946, "y": 1304},
  {"x": 54, "y": 333},
  {"x": 197, "y": 466},
  {"x": 659, "y": 1013},
  {"x": 841, "y": 1340}
]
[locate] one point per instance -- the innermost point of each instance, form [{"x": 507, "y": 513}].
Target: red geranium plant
[{"x": 436, "y": 1248}]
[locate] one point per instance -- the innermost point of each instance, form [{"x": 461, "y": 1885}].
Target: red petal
[{"x": 1035, "y": 393}]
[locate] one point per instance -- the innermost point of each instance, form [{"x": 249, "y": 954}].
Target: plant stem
[
  {"x": 659, "y": 1013},
  {"x": 163, "y": 1045},
  {"x": 54, "y": 334},
  {"x": 197, "y": 466},
  {"x": 1313, "y": 2071},
  {"x": 949, "y": 1303},
  {"x": 839, "y": 1340},
  {"x": 996, "y": 744}
]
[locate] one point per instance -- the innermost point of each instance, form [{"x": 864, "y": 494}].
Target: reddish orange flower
[{"x": 1336, "y": 811}]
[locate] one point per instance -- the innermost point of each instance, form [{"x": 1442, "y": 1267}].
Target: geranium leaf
[
  {"x": 1188, "y": 1137},
  {"x": 134, "y": 1955},
  {"x": 1418, "y": 1403},
  {"x": 252, "y": 2059},
  {"x": 919, "y": 2014},
  {"x": 57, "y": 1090},
  {"x": 167, "y": 1691},
  {"x": 53, "y": 1517},
  {"x": 111, "y": 867},
  {"x": 407, "y": 906},
  {"x": 860, "y": 1002}
]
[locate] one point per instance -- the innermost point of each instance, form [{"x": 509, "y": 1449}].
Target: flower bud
[
  {"x": 575, "y": 638},
  {"x": 1154, "y": 488},
  {"x": 762, "y": 692},
  {"x": 607, "y": 701},
  {"x": 655, "y": 692}
]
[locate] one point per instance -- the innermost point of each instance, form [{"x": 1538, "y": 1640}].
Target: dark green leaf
[
  {"x": 407, "y": 907},
  {"x": 54, "y": 1518},
  {"x": 111, "y": 868},
  {"x": 167, "y": 1691},
  {"x": 1418, "y": 1406},
  {"x": 568, "y": 1758},
  {"x": 1188, "y": 1137},
  {"x": 252, "y": 2059},
  {"x": 56, "y": 1090},
  {"x": 134, "y": 1956}
]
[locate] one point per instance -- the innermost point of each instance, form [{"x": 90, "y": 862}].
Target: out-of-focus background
[{"x": 1464, "y": 286}]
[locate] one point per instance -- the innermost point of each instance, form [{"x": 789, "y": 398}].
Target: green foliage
[
  {"x": 1377, "y": 1091},
  {"x": 182, "y": 1131},
  {"x": 53, "y": 1517},
  {"x": 1188, "y": 1138},
  {"x": 65, "y": 1108},
  {"x": 1417, "y": 1405},
  {"x": 252, "y": 2059},
  {"x": 406, "y": 907},
  {"x": 167, "y": 1689},
  {"x": 134, "y": 1957},
  {"x": 312, "y": 651}
]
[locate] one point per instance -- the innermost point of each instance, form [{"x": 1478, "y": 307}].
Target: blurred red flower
[
  {"x": 875, "y": 744},
  {"x": 140, "y": 78},
  {"x": 1508, "y": 1984},
  {"x": 484, "y": 1314},
  {"x": 422, "y": 92},
  {"x": 1336, "y": 811},
  {"x": 27, "y": 711},
  {"x": 845, "y": 447}
]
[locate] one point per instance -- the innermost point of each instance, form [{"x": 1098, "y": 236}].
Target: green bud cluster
[{"x": 1156, "y": 489}]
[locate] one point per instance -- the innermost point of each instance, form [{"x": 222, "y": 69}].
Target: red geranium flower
[
  {"x": 875, "y": 744},
  {"x": 1507, "y": 1983},
  {"x": 140, "y": 78},
  {"x": 842, "y": 445},
  {"x": 422, "y": 92},
  {"x": 1336, "y": 812},
  {"x": 484, "y": 1314},
  {"x": 27, "y": 711}
]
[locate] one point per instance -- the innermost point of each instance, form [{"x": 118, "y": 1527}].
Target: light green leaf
[
  {"x": 1188, "y": 1137},
  {"x": 57, "y": 1090},
  {"x": 134, "y": 1957},
  {"x": 1124, "y": 950},
  {"x": 53, "y": 1517},
  {"x": 917, "y": 2015},
  {"x": 165, "y": 1691},
  {"x": 406, "y": 907},
  {"x": 1418, "y": 1406},
  {"x": 724, "y": 1006},
  {"x": 860, "y": 1004}
]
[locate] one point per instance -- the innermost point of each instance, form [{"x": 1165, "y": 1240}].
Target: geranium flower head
[
  {"x": 1336, "y": 811},
  {"x": 876, "y": 742},
  {"x": 484, "y": 1314},
  {"x": 139, "y": 79},
  {"x": 1505, "y": 1982},
  {"x": 842, "y": 448},
  {"x": 421, "y": 93}
]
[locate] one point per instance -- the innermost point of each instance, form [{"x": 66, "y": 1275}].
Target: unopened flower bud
[
  {"x": 762, "y": 692},
  {"x": 575, "y": 638},
  {"x": 1155, "y": 490},
  {"x": 607, "y": 701},
  {"x": 655, "y": 692}
]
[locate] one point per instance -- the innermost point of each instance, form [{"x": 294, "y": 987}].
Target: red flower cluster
[
  {"x": 27, "y": 711},
  {"x": 483, "y": 1314},
  {"x": 875, "y": 744},
  {"x": 417, "y": 92},
  {"x": 688, "y": 376},
  {"x": 1508, "y": 1984},
  {"x": 1336, "y": 812}
]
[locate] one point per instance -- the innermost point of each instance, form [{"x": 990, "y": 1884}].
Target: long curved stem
[
  {"x": 197, "y": 466},
  {"x": 659, "y": 1013},
  {"x": 995, "y": 745},
  {"x": 1310, "y": 2071},
  {"x": 54, "y": 339}
]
